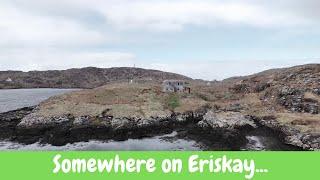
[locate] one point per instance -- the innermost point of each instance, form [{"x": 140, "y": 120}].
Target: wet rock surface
[
  {"x": 219, "y": 131},
  {"x": 23, "y": 126},
  {"x": 10, "y": 120}
]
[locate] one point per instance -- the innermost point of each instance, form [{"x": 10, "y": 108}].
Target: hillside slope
[{"x": 89, "y": 77}]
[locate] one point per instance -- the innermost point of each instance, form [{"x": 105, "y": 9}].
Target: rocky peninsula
[{"x": 286, "y": 101}]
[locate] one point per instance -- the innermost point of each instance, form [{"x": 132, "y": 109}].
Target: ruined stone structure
[{"x": 175, "y": 86}]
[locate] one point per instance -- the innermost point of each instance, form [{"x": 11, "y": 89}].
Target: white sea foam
[
  {"x": 165, "y": 142},
  {"x": 254, "y": 143}
]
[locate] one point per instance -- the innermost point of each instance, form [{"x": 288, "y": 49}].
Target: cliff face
[{"x": 81, "y": 78}]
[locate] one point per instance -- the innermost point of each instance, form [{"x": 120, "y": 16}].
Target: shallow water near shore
[
  {"x": 179, "y": 140},
  {"x": 163, "y": 142},
  {"x": 172, "y": 142},
  {"x": 11, "y": 99}
]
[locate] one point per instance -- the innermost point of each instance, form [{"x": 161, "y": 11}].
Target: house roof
[{"x": 173, "y": 80}]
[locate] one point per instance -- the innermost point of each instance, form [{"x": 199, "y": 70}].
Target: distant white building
[{"x": 9, "y": 80}]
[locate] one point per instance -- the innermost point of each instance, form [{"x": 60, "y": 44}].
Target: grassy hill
[{"x": 89, "y": 77}]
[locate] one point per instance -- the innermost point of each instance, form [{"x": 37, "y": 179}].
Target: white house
[
  {"x": 174, "y": 86},
  {"x": 9, "y": 80}
]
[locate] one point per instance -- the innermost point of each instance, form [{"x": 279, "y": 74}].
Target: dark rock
[
  {"x": 293, "y": 99},
  {"x": 316, "y": 91},
  {"x": 289, "y": 134},
  {"x": 261, "y": 87},
  {"x": 9, "y": 121},
  {"x": 241, "y": 88},
  {"x": 312, "y": 108}
]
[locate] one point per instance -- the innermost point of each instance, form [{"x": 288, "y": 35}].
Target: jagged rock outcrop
[
  {"x": 294, "y": 100},
  {"x": 225, "y": 120},
  {"x": 26, "y": 126},
  {"x": 291, "y": 135},
  {"x": 10, "y": 120}
]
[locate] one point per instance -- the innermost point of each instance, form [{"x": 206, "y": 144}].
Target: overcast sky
[{"x": 208, "y": 39}]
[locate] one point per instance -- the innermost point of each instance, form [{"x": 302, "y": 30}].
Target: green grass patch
[
  {"x": 203, "y": 96},
  {"x": 173, "y": 101}
]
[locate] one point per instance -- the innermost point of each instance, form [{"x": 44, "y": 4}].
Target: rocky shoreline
[
  {"x": 290, "y": 135},
  {"x": 204, "y": 124},
  {"x": 284, "y": 101}
]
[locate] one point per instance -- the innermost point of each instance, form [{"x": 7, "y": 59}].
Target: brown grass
[
  {"x": 147, "y": 100},
  {"x": 123, "y": 100},
  {"x": 303, "y": 121},
  {"x": 309, "y": 95}
]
